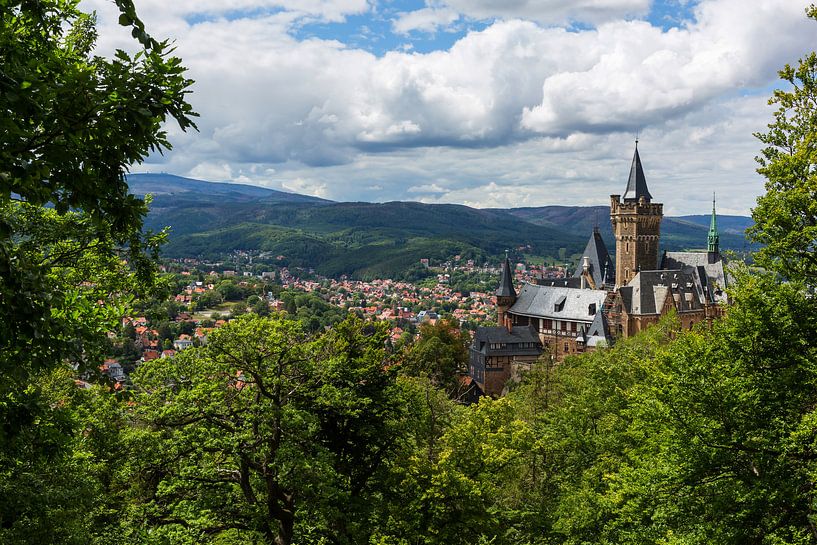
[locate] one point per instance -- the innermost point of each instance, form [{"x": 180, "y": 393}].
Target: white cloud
[
  {"x": 213, "y": 172},
  {"x": 425, "y": 20},
  {"x": 154, "y": 10},
  {"x": 639, "y": 75},
  {"x": 525, "y": 108},
  {"x": 426, "y": 188},
  {"x": 305, "y": 186},
  {"x": 551, "y": 11}
]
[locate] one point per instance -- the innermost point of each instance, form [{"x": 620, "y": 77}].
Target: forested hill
[
  {"x": 372, "y": 239},
  {"x": 178, "y": 187},
  {"x": 677, "y": 233}
]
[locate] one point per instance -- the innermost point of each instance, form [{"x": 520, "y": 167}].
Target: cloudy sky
[{"x": 489, "y": 103}]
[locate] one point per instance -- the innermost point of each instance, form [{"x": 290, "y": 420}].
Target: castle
[{"x": 604, "y": 300}]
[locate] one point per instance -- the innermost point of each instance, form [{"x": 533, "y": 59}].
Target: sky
[{"x": 487, "y": 103}]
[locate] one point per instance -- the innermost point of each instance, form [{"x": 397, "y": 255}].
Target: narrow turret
[
  {"x": 505, "y": 294},
  {"x": 713, "y": 238}
]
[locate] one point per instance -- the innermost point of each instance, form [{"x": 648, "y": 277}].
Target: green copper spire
[{"x": 713, "y": 238}]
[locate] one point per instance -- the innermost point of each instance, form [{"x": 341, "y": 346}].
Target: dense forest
[{"x": 276, "y": 433}]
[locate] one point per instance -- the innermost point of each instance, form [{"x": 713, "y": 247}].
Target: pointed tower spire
[
  {"x": 636, "y": 222},
  {"x": 506, "y": 280},
  {"x": 637, "y": 183},
  {"x": 505, "y": 295},
  {"x": 713, "y": 239}
]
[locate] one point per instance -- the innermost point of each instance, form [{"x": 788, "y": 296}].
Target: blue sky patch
[{"x": 373, "y": 31}]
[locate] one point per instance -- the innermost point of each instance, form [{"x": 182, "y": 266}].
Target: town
[{"x": 206, "y": 295}]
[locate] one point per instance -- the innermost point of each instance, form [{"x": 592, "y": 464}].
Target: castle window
[{"x": 626, "y": 246}]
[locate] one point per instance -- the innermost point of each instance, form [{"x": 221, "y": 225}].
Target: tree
[
  {"x": 72, "y": 252},
  {"x": 786, "y": 216},
  {"x": 73, "y": 124},
  {"x": 230, "y": 291},
  {"x": 678, "y": 437},
  {"x": 266, "y": 431},
  {"x": 441, "y": 354},
  {"x": 209, "y": 299}
]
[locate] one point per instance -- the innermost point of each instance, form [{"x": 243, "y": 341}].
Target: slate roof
[
  {"x": 679, "y": 260},
  {"x": 541, "y": 302},
  {"x": 597, "y": 334},
  {"x": 647, "y": 291},
  {"x": 599, "y": 327},
  {"x": 637, "y": 183},
  {"x": 505, "y": 288},
  {"x": 484, "y": 337},
  {"x": 713, "y": 275},
  {"x": 602, "y": 268},
  {"x": 572, "y": 282}
]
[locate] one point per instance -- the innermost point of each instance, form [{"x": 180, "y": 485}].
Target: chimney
[{"x": 585, "y": 271}]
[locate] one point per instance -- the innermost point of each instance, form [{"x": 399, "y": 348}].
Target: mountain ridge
[{"x": 364, "y": 239}]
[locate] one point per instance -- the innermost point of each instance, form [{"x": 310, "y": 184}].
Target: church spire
[
  {"x": 713, "y": 239},
  {"x": 637, "y": 183}
]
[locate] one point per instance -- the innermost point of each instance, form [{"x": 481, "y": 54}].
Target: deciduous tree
[
  {"x": 267, "y": 432},
  {"x": 786, "y": 216}
]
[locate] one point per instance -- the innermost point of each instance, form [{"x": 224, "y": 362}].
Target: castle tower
[
  {"x": 505, "y": 295},
  {"x": 713, "y": 239},
  {"x": 636, "y": 225}
]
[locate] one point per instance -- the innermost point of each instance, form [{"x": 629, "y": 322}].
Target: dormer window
[
  {"x": 559, "y": 305},
  {"x": 591, "y": 309}
]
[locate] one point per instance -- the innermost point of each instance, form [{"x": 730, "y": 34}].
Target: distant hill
[
  {"x": 169, "y": 185},
  {"x": 726, "y": 224},
  {"x": 677, "y": 233},
  {"x": 361, "y": 239}
]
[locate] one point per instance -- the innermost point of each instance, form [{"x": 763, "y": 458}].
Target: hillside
[
  {"x": 358, "y": 239},
  {"x": 169, "y": 186},
  {"x": 677, "y": 233},
  {"x": 726, "y": 224},
  {"x": 373, "y": 239}
]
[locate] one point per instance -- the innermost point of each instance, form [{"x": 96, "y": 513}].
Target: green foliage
[
  {"x": 440, "y": 354},
  {"x": 314, "y": 313},
  {"x": 72, "y": 253},
  {"x": 452, "y": 483},
  {"x": 74, "y": 124},
  {"x": 786, "y": 216},
  {"x": 65, "y": 264},
  {"x": 266, "y": 432},
  {"x": 230, "y": 291},
  {"x": 56, "y": 470},
  {"x": 465, "y": 282},
  {"x": 694, "y": 437}
]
